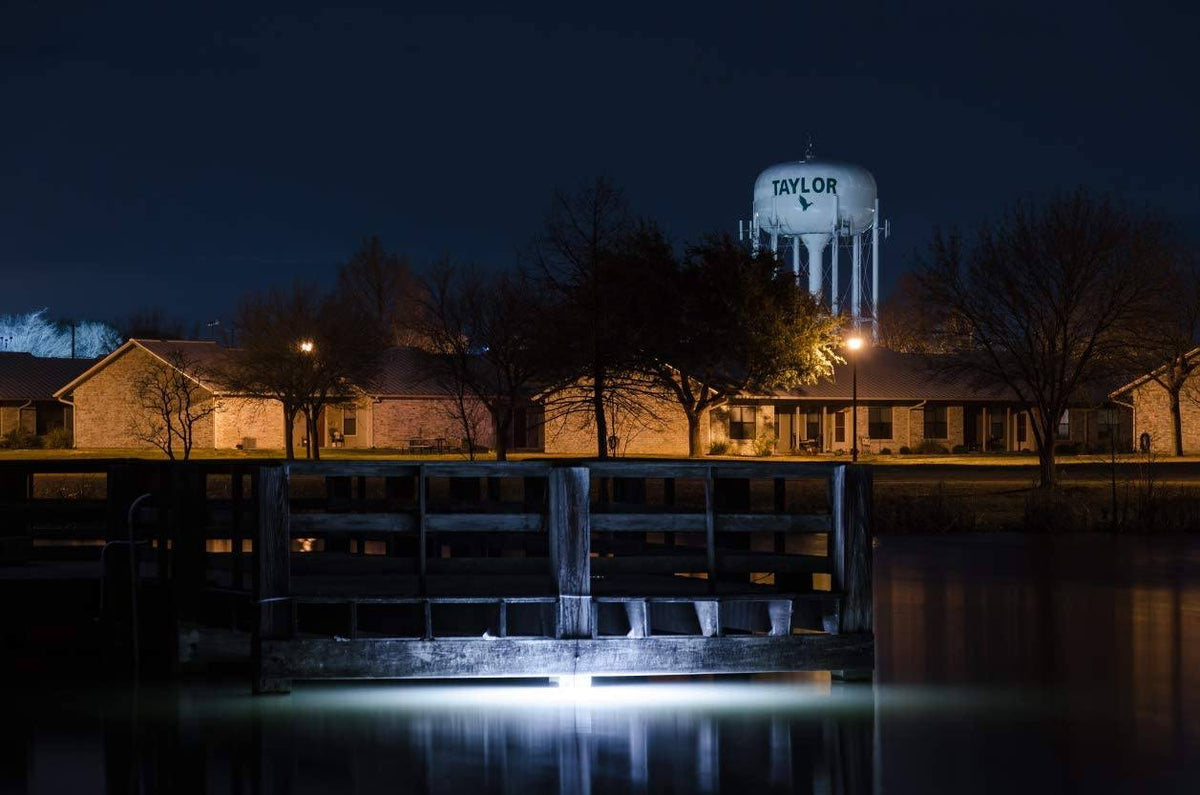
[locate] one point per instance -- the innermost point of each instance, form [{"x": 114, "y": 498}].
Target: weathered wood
[
  {"x": 15, "y": 539},
  {"x": 710, "y": 530},
  {"x": 619, "y": 656},
  {"x": 272, "y": 587},
  {"x": 850, "y": 546},
  {"x": 779, "y": 611},
  {"x": 639, "y": 618},
  {"x": 857, "y": 610},
  {"x": 708, "y": 613},
  {"x": 423, "y": 535},
  {"x": 570, "y": 544},
  {"x": 698, "y": 522},
  {"x": 731, "y": 563},
  {"x": 353, "y": 523}
]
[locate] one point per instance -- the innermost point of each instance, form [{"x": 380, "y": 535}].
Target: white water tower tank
[{"x": 804, "y": 197}]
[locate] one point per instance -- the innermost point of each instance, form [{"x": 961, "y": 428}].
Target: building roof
[
  {"x": 888, "y": 375},
  {"x": 406, "y": 372},
  {"x": 202, "y": 355},
  {"x": 24, "y": 376}
]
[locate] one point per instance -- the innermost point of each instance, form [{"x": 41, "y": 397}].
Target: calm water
[{"x": 1005, "y": 664}]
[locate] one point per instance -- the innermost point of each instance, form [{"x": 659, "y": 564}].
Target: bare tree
[
  {"x": 1050, "y": 297},
  {"x": 380, "y": 287},
  {"x": 306, "y": 350},
  {"x": 488, "y": 331},
  {"x": 580, "y": 262},
  {"x": 171, "y": 402},
  {"x": 1165, "y": 348}
]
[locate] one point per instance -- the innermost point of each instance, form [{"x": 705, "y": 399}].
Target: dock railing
[{"x": 615, "y": 571}]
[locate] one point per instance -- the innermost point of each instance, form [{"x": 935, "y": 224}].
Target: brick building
[
  {"x": 404, "y": 407},
  {"x": 27, "y": 386},
  {"x": 1150, "y": 406}
]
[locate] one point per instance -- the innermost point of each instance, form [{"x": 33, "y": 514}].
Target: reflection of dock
[{"x": 406, "y": 569}]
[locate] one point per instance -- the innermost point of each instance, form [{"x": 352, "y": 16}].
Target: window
[
  {"x": 879, "y": 422},
  {"x": 996, "y": 418},
  {"x": 1107, "y": 422},
  {"x": 1021, "y": 428},
  {"x": 349, "y": 421},
  {"x": 839, "y": 427},
  {"x": 812, "y": 426},
  {"x": 1064, "y": 426},
  {"x": 935, "y": 423},
  {"x": 741, "y": 422}
]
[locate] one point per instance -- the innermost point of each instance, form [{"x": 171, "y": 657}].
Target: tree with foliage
[
  {"x": 489, "y": 332},
  {"x": 171, "y": 402},
  {"x": 380, "y": 287},
  {"x": 594, "y": 330},
  {"x": 727, "y": 321},
  {"x": 1050, "y": 298},
  {"x": 306, "y": 350}
]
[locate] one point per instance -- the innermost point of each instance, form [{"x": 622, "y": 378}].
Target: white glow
[
  {"x": 306, "y": 346},
  {"x": 572, "y": 681},
  {"x": 854, "y": 343}
]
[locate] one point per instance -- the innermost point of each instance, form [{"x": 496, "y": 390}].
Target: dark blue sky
[{"x": 159, "y": 157}]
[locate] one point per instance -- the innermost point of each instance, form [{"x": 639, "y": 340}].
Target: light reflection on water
[{"x": 1004, "y": 664}]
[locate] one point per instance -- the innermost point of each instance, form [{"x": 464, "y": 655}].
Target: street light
[
  {"x": 306, "y": 346},
  {"x": 854, "y": 344}
]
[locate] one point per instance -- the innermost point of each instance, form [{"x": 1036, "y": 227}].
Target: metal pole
[
  {"x": 875, "y": 275},
  {"x": 856, "y": 279},
  {"x": 796, "y": 258},
  {"x": 835, "y": 286},
  {"x": 854, "y": 407}
]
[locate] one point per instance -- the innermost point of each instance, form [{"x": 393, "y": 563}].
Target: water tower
[{"x": 810, "y": 203}]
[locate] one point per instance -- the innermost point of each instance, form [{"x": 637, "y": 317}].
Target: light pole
[{"x": 854, "y": 344}]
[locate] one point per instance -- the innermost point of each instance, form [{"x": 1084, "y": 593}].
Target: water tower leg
[
  {"x": 856, "y": 278},
  {"x": 796, "y": 258},
  {"x": 774, "y": 243},
  {"x": 875, "y": 275},
  {"x": 835, "y": 283}
]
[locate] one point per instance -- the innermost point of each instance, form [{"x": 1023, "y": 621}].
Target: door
[{"x": 785, "y": 430}]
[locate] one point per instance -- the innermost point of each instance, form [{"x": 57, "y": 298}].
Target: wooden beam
[
  {"x": 850, "y": 547},
  {"x": 698, "y": 522},
  {"x": 536, "y": 657},
  {"x": 272, "y": 588},
  {"x": 570, "y": 546}
]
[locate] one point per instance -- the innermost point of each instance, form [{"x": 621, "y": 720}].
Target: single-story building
[
  {"x": 27, "y": 387},
  {"x": 1150, "y": 406},
  {"x": 403, "y": 407}
]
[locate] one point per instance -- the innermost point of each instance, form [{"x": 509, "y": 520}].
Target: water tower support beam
[
  {"x": 796, "y": 258},
  {"x": 875, "y": 274},
  {"x": 856, "y": 277},
  {"x": 835, "y": 284}
]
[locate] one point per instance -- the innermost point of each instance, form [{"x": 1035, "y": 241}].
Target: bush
[
  {"x": 959, "y": 449},
  {"x": 20, "y": 439},
  {"x": 937, "y": 512},
  {"x": 57, "y": 439},
  {"x": 1068, "y": 448},
  {"x": 719, "y": 448},
  {"x": 905, "y": 450},
  {"x": 885, "y": 451},
  {"x": 764, "y": 445},
  {"x": 930, "y": 447}
]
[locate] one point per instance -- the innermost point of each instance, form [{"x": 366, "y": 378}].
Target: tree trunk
[
  {"x": 1047, "y": 471},
  {"x": 314, "y": 437},
  {"x": 598, "y": 410},
  {"x": 1176, "y": 421},
  {"x": 500, "y": 433},
  {"x": 289, "y": 433},
  {"x": 693, "y": 421}
]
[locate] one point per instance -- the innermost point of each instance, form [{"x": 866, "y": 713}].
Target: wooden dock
[{"x": 442, "y": 569}]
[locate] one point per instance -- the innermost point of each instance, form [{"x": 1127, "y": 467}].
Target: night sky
[{"x": 160, "y": 157}]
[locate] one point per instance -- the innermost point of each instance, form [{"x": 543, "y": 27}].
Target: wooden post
[
  {"x": 710, "y": 528},
  {"x": 570, "y": 547},
  {"x": 850, "y": 546},
  {"x": 272, "y": 588},
  {"x": 15, "y": 491},
  {"x": 422, "y": 562},
  {"x": 236, "y": 534},
  {"x": 188, "y": 550}
]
